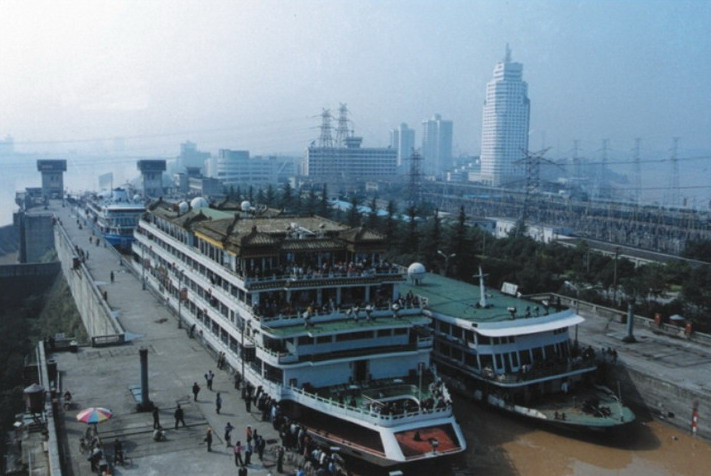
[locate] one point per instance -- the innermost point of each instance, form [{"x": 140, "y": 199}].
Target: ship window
[
  {"x": 457, "y": 332},
  {"x": 470, "y": 360},
  {"x": 525, "y": 357},
  {"x": 384, "y": 333},
  {"x": 499, "y": 365},
  {"x": 537, "y": 354},
  {"x": 444, "y": 327},
  {"x": 354, "y": 336},
  {"x": 323, "y": 340},
  {"x": 514, "y": 359},
  {"x": 399, "y": 331},
  {"x": 305, "y": 340},
  {"x": 486, "y": 362},
  {"x": 457, "y": 354},
  {"x": 469, "y": 336},
  {"x": 550, "y": 351},
  {"x": 483, "y": 340}
]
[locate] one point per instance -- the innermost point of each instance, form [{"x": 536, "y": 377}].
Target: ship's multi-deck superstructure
[
  {"x": 516, "y": 354},
  {"x": 309, "y": 310}
]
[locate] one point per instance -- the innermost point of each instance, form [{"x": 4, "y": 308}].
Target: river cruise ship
[
  {"x": 115, "y": 215},
  {"x": 515, "y": 354},
  {"x": 307, "y": 309}
]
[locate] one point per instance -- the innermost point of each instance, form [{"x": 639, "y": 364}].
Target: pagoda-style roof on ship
[{"x": 247, "y": 235}]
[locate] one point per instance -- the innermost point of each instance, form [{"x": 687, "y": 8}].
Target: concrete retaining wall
[
  {"x": 663, "y": 399},
  {"x": 18, "y": 281},
  {"x": 98, "y": 320}
]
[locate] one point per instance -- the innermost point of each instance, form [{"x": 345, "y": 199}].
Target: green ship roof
[{"x": 448, "y": 297}]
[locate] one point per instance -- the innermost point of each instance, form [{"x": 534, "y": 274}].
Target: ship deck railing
[
  {"x": 279, "y": 274},
  {"x": 353, "y": 313},
  {"x": 369, "y": 401}
]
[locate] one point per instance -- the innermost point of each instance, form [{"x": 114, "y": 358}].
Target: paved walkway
[
  {"x": 103, "y": 376},
  {"x": 680, "y": 362}
]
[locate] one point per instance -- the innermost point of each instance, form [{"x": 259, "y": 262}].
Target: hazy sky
[{"x": 256, "y": 74}]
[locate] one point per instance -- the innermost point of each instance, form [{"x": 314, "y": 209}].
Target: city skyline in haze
[{"x": 256, "y": 74}]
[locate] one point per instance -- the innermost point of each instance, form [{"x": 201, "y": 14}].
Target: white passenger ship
[
  {"x": 516, "y": 354},
  {"x": 306, "y": 308}
]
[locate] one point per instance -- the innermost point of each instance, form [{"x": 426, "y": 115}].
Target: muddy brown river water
[{"x": 504, "y": 445}]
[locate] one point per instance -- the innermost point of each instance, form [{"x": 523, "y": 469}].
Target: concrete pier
[{"x": 110, "y": 376}]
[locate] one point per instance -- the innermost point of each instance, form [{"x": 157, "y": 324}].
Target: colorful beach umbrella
[{"x": 94, "y": 415}]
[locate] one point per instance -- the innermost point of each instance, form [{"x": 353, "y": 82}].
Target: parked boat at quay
[
  {"x": 303, "y": 309},
  {"x": 115, "y": 215},
  {"x": 515, "y": 354}
]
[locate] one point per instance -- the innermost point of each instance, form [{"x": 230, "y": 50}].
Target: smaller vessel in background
[{"x": 115, "y": 214}]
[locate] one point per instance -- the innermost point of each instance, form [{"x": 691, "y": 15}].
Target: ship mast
[{"x": 482, "y": 288}]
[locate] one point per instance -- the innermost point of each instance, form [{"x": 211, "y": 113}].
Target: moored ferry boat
[
  {"x": 115, "y": 215},
  {"x": 305, "y": 309},
  {"x": 515, "y": 354}
]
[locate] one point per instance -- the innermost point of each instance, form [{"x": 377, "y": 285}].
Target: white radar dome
[
  {"x": 245, "y": 205},
  {"x": 416, "y": 272},
  {"x": 183, "y": 207},
  {"x": 198, "y": 202}
]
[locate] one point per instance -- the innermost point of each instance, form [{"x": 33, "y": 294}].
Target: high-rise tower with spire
[{"x": 504, "y": 135}]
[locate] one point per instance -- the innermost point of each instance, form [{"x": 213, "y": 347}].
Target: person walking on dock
[
  {"x": 228, "y": 434},
  {"x": 179, "y": 416},
  {"x": 248, "y": 454},
  {"x": 259, "y": 445},
  {"x": 208, "y": 439},
  {"x": 111, "y": 275},
  {"x": 196, "y": 390},
  {"x": 209, "y": 376},
  {"x": 156, "y": 418},
  {"x": 238, "y": 454},
  {"x": 218, "y": 403}
]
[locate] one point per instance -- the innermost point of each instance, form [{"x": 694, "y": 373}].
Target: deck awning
[{"x": 520, "y": 327}]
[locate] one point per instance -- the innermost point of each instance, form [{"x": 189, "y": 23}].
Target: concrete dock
[
  {"x": 667, "y": 374},
  {"x": 104, "y": 376}
]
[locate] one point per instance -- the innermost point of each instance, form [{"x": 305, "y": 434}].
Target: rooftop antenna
[
  {"x": 507, "y": 58},
  {"x": 482, "y": 288},
  {"x": 325, "y": 139}
]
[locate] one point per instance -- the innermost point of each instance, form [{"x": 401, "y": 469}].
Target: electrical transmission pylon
[
  {"x": 532, "y": 162},
  {"x": 415, "y": 178},
  {"x": 342, "y": 131},
  {"x": 600, "y": 179},
  {"x": 325, "y": 139},
  {"x": 637, "y": 172},
  {"x": 674, "y": 199}
]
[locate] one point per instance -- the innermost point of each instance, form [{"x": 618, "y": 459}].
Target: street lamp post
[
  {"x": 143, "y": 266},
  {"x": 180, "y": 299},
  {"x": 446, "y": 260},
  {"x": 244, "y": 329}
]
